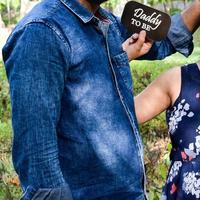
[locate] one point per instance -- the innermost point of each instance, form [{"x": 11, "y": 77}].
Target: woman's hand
[{"x": 137, "y": 45}]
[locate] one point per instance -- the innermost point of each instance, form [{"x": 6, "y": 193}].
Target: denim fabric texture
[{"x": 75, "y": 134}]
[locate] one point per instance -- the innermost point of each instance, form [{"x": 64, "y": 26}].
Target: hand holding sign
[
  {"x": 137, "y": 17},
  {"x": 137, "y": 45}
]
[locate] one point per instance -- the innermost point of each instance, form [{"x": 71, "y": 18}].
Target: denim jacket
[{"x": 75, "y": 134}]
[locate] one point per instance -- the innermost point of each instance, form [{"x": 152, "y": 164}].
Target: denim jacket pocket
[{"x": 121, "y": 63}]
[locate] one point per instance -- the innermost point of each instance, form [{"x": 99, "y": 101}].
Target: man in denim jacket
[{"x": 75, "y": 130}]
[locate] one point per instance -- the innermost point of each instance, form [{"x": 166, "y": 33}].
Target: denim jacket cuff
[
  {"x": 61, "y": 193},
  {"x": 180, "y": 37},
  {"x": 28, "y": 193}
]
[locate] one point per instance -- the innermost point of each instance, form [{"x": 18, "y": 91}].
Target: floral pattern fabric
[
  {"x": 183, "y": 180},
  {"x": 182, "y": 110},
  {"x": 191, "y": 184}
]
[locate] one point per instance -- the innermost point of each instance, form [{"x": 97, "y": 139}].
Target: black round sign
[{"x": 137, "y": 17}]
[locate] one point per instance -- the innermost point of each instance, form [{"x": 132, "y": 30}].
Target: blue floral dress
[{"x": 183, "y": 118}]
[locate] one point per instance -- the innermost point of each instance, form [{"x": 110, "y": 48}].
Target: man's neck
[{"x": 90, "y": 6}]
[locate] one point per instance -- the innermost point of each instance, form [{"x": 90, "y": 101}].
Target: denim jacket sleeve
[
  {"x": 179, "y": 39},
  {"x": 36, "y": 64}
]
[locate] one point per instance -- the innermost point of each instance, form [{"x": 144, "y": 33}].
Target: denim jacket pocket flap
[{"x": 122, "y": 67}]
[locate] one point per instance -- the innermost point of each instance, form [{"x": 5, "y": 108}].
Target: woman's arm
[{"x": 158, "y": 96}]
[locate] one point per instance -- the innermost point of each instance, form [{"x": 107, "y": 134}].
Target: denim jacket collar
[
  {"x": 79, "y": 10},
  {"x": 82, "y": 12}
]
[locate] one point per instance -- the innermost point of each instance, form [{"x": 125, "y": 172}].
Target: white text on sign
[{"x": 153, "y": 20}]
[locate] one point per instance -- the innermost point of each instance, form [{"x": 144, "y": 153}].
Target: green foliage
[
  {"x": 10, "y": 10},
  {"x": 15, "y": 4},
  {"x": 9, "y": 184},
  {"x": 2, "y": 5},
  {"x": 111, "y": 4},
  {"x": 4, "y": 97},
  {"x": 174, "y": 11}
]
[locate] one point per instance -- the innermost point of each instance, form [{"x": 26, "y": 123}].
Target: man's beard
[{"x": 98, "y": 2}]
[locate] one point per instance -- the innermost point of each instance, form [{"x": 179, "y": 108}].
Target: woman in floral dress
[{"x": 178, "y": 92}]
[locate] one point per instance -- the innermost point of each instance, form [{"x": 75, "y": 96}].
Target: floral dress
[{"x": 183, "y": 118}]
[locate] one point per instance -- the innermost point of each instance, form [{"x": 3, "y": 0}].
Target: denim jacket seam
[
  {"x": 132, "y": 122},
  {"x": 116, "y": 24},
  {"x": 55, "y": 30},
  {"x": 57, "y": 33},
  {"x": 123, "y": 58},
  {"x": 132, "y": 118}
]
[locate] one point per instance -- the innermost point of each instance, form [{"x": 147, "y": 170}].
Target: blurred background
[{"x": 154, "y": 133}]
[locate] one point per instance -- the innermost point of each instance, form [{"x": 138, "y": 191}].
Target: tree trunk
[
  {"x": 145, "y": 2},
  {"x": 8, "y": 10},
  {"x": 165, "y": 8}
]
